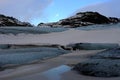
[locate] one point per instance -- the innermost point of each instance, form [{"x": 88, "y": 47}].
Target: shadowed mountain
[
  {"x": 83, "y": 19},
  {"x": 10, "y": 21}
]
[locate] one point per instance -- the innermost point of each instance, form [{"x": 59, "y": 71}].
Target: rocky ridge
[
  {"x": 10, "y": 21},
  {"x": 83, "y": 19}
]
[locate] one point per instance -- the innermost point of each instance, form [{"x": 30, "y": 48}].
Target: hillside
[
  {"x": 10, "y": 21},
  {"x": 83, "y": 19}
]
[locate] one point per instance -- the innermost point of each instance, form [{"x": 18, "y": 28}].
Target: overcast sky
[{"x": 36, "y": 11}]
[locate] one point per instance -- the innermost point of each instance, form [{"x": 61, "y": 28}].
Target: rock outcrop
[
  {"x": 103, "y": 64},
  {"x": 92, "y": 46},
  {"x": 10, "y": 21},
  {"x": 82, "y": 19}
]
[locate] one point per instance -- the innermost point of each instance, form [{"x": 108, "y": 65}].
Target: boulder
[
  {"x": 103, "y": 64},
  {"x": 114, "y": 19}
]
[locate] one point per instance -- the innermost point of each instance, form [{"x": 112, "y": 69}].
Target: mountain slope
[
  {"x": 10, "y": 21},
  {"x": 83, "y": 19}
]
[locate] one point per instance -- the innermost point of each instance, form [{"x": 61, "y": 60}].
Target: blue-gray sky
[{"x": 36, "y": 11}]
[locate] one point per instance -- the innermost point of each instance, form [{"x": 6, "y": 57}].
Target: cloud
[
  {"x": 57, "y": 15},
  {"x": 25, "y": 10},
  {"x": 110, "y": 8}
]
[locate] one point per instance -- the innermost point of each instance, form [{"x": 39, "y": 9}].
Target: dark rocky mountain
[
  {"x": 83, "y": 19},
  {"x": 10, "y": 21}
]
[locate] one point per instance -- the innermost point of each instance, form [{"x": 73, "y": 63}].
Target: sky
[{"x": 37, "y": 11}]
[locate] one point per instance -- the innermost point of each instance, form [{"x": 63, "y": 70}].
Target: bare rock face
[
  {"x": 83, "y": 19},
  {"x": 88, "y": 17},
  {"x": 114, "y": 19},
  {"x": 103, "y": 64},
  {"x": 10, "y": 21}
]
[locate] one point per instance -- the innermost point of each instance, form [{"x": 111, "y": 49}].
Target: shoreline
[{"x": 44, "y": 65}]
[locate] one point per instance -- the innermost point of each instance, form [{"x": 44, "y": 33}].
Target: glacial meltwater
[{"x": 55, "y": 73}]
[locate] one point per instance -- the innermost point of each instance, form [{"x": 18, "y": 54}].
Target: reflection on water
[
  {"x": 51, "y": 74},
  {"x": 55, "y": 73}
]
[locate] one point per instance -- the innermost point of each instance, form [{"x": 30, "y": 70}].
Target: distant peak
[
  {"x": 83, "y": 19},
  {"x": 11, "y": 21}
]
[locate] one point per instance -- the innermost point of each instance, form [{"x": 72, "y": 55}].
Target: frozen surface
[
  {"x": 99, "y": 27},
  {"x": 56, "y": 36},
  {"x": 32, "y": 30},
  {"x": 66, "y": 37},
  {"x": 23, "y": 56}
]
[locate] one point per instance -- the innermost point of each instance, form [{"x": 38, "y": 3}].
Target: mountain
[
  {"x": 10, "y": 21},
  {"x": 83, "y": 19}
]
